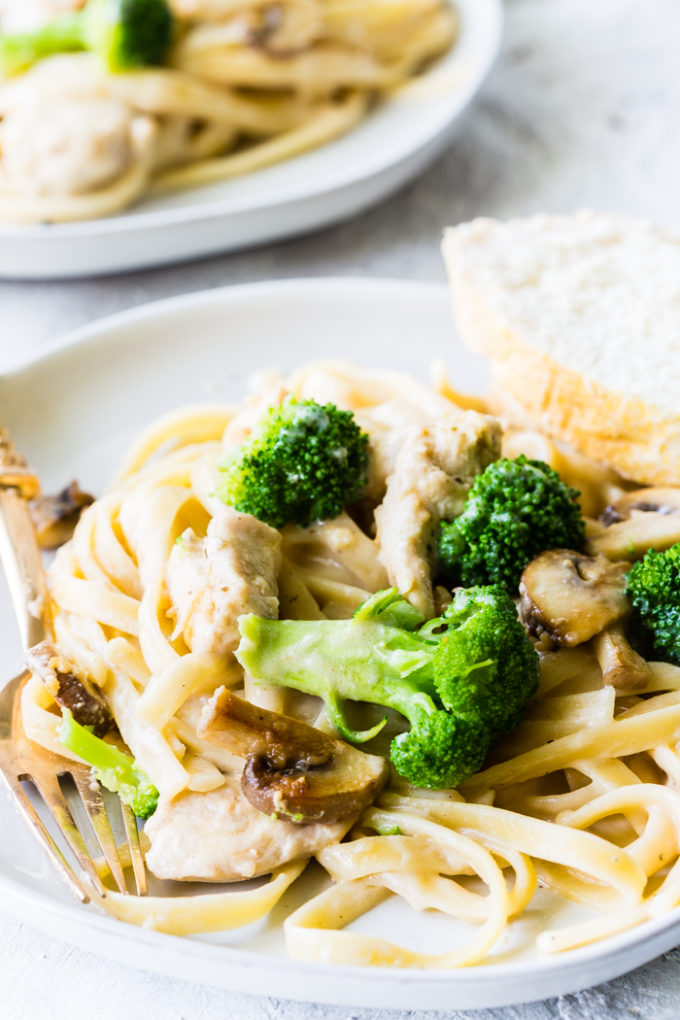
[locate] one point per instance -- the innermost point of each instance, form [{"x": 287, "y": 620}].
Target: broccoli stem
[
  {"x": 339, "y": 660},
  {"x": 114, "y": 769},
  {"x": 462, "y": 680},
  {"x": 63, "y": 34},
  {"x": 96, "y": 752},
  {"x": 124, "y": 34},
  {"x": 389, "y": 607}
]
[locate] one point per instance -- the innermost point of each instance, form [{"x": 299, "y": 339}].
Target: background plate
[
  {"x": 387, "y": 149},
  {"x": 73, "y": 412}
]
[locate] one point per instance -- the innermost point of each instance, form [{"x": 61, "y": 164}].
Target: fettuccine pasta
[{"x": 582, "y": 798}]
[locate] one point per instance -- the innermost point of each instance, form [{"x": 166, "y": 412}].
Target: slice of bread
[{"x": 580, "y": 318}]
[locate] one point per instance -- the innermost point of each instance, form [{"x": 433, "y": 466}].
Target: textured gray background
[{"x": 583, "y": 108}]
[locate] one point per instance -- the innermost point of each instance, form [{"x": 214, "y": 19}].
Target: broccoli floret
[
  {"x": 485, "y": 665},
  {"x": 461, "y": 680},
  {"x": 653, "y": 585},
  {"x": 440, "y": 751},
  {"x": 303, "y": 462},
  {"x": 515, "y": 510},
  {"x": 124, "y": 33},
  {"x": 117, "y": 771}
]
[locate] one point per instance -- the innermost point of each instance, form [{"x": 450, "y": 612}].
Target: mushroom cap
[
  {"x": 572, "y": 596},
  {"x": 293, "y": 770},
  {"x": 69, "y": 688},
  {"x": 55, "y": 517}
]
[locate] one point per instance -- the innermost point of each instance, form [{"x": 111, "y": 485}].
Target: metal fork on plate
[{"x": 21, "y": 759}]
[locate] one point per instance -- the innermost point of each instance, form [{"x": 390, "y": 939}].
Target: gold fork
[{"x": 20, "y": 758}]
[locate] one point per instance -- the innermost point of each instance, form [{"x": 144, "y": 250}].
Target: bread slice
[{"x": 580, "y": 318}]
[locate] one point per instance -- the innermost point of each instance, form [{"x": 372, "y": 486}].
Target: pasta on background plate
[
  {"x": 581, "y": 798},
  {"x": 244, "y": 84}
]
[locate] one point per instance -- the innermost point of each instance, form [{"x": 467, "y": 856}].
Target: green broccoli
[
  {"x": 117, "y": 771},
  {"x": 124, "y": 33},
  {"x": 461, "y": 680},
  {"x": 515, "y": 510},
  {"x": 653, "y": 585},
  {"x": 303, "y": 462}
]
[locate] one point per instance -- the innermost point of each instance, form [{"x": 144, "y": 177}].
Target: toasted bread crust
[{"x": 632, "y": 436}]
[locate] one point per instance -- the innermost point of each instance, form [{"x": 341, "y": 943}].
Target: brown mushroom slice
[
  {"x": 639, "y": 520},
  {"x": 69, "y": 690},
  {"x": 572, "y": 596},
  {"x": 621, "y": 665},
  {"x": 55, "y": 517},
  {"x": 292, "y": 770}
]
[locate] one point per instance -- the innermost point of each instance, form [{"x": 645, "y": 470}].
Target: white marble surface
[{"x": 583, "y": 108}]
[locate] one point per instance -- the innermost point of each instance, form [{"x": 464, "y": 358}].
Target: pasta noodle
[
  {"x": 191, "y": 915},
  {"x": 247, "y": 84},
  {"x": 582, "y": 798}
]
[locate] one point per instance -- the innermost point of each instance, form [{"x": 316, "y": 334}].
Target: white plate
[
  {"x": 320, "y": 187},
  {"x": 73, "y": 412}
]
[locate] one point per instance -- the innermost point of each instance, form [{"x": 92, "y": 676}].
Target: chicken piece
[
  {"x": 64, "y": 76},
  {"x": 67, "y": 147},
  {"x": 213, "y": 581},
  {"x": 386, "y": 425},
  {"x": 220, "y": 837},
  {"x": 433, "y": 473}
]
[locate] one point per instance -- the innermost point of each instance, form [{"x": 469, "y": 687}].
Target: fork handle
[{"x": 23, "y": 566}]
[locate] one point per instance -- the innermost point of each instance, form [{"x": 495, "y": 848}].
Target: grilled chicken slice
[
  {"x": 220, "y": 837},
  {"x": 66, "y": 147},
  {"x": 214, "y": 580},
  {"x": 433, "y": 473}
]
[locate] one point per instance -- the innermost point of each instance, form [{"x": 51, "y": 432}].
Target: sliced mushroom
[
  {"x": 639, "y": 520},
  {"x": 621, "y": 665},
  {"x": 573, "y": 598},
  {"x": 69, "y": 690},
  {"x": 55, "y": 517},
  {"x": 292, "y": 770}
]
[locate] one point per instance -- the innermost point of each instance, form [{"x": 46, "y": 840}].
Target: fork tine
[
  {"x": 136, "y": 856},
  {"x": 50, "y": 791},
  {"x": 92, "y": 799},
  {"x": 41, "y": 833},
  {"x": 23, "y": 567}
]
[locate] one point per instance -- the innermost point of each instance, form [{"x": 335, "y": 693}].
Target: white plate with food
[
  {"x": 129, "y": 170},
  {"x": 74, "y": 412}
]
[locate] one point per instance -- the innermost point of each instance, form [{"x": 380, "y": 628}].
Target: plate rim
[
  {"x": 574, "y": 969},
  {"x": 571, "y": 961},
  {"x": 153, "y": 219},
  {"x": 89, "y": 333}
]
